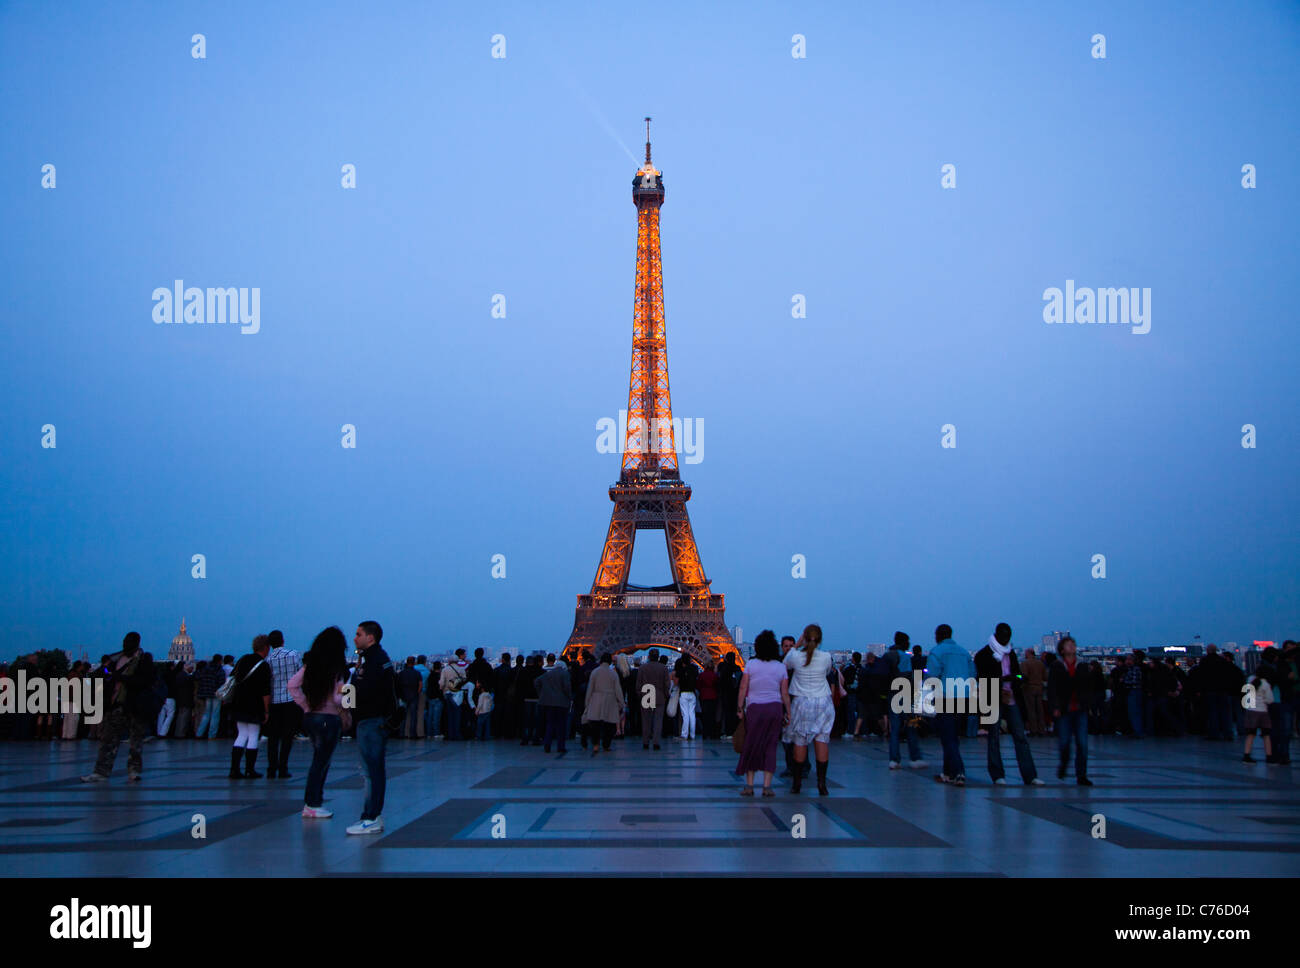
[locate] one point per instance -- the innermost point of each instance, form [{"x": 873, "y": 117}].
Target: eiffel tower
[{"x": 685, "y": 615}]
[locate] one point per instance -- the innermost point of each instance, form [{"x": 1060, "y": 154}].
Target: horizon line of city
[{"x": 1045, "y": 643}]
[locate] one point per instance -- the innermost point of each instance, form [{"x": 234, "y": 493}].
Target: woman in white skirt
[{"x": 812, "y": 710}]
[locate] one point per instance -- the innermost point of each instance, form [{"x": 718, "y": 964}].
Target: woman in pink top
[
  {"x": 318, "y": 688},
  {"x": 764, "y": 702}
]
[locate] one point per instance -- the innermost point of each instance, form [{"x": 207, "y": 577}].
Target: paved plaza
[{"x": 1172, "y": 808}]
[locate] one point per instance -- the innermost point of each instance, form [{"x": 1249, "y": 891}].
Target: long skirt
[{"x": 762, "y": 735}]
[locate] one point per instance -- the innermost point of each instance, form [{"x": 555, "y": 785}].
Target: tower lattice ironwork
[{"x": 650, "y": 495}]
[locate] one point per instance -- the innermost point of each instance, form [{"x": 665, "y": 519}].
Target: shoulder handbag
[
  {"x": 227, "y": 691},
  {"x": 738, "y": 737},
  {"x": 671, "y": 711}
]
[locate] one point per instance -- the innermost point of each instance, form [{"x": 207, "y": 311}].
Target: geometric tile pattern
[{"x": 1173, "y": 808}]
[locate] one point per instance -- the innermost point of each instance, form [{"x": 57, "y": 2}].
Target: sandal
[
  {"x": 768, "y": 792},
  {"x": 747, "y": 792}
]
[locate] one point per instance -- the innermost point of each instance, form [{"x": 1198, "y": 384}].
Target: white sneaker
[
  {"x": 375, "y": 826},
  {"x": 93, "y": 778},
  {"x": 1037, "y": 782},
  {"x": 893, "y": 764},
  {"x": 317, "y": 813},
  {"x": 1000, "y": 782},
  {"x": 916, "y": 765}
]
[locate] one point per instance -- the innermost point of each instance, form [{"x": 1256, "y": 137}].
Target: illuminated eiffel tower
[{"x": 650, "y": 495}]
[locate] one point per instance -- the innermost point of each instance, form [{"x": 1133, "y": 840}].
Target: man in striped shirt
[{"x": 286, "y": 715}]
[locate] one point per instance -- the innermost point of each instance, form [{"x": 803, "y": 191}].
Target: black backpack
[{"x": 850, "y": 673}]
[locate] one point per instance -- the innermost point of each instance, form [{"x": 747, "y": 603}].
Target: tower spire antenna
[{"x": 647, "y": 141}]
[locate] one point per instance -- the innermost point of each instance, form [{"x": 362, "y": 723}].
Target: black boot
[
  {"x": 796, "y": 784},
  {"x": 250, "y": 757},
  {"x": 234, "y": 764},
  {"x": 821, "y": 778}
]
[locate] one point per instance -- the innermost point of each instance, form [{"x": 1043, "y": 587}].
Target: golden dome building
[{"x": 182, "y": 649}]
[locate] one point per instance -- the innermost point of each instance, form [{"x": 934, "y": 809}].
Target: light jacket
[
  {"x": 452, "y": 677},
  {"x": 604, "y": 696},
  {"x": 952, "y": 663}
]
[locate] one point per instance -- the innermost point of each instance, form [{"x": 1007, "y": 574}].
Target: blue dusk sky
[{"x": 476, "y": 436}]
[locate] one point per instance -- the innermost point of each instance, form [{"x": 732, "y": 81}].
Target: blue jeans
[
  {"x": 371, "y": 740},
  {"x": 897, "y": 725},
  {"x": 1073, "y": 724},
  {"x": 1135, "y": 711},
  {"x": 453, "y": 719},
  {"x": 483, "y": 726},
  {"x": 324, "y": 730},
  {"x": 433, "y": 718},
  {"x": 947, "y": 726},
  {"x": 1279, "y": 714},
  {"x": 412, "y": 718},
  {"x": 210, "y": 719},
  {"x": 850, "y": 714},
  {"x": 1024, "y": 759}
]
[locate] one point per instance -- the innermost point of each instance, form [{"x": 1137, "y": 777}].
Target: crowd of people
[{"x": 789, "y": 696}]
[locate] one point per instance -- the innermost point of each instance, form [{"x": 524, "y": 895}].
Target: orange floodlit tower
[{"x": 650, "y": 495}]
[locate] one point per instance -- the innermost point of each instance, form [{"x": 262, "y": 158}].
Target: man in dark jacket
[
  {"x": 480, "y": 671},
  {"x": 652, "y": 696},
  {"x": 1285, "y": 688},
  {"x": 578, "y": 676},
  {"x": 1166, "y": 691},
  {"x": 208, "y": 680},
  {"x": 128, "y": 692},
  {"x": 409, "y": 685},
  {"x": 376, "y": 702},
  {"x": 997, "y": 665},
  {"x": 1033, "y": 675},
  {"x": 880, "y": 676},
  {"x": 530, "y": 729},
  {"x": 183, "y": 689},
  {"x": 1069, "y": 693},
  {"x": 503, "y": 676},
  {"x": 729, "y": 675},
  {"x": 554, "y": 695},
  {"x": 898, "y": 660}
]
